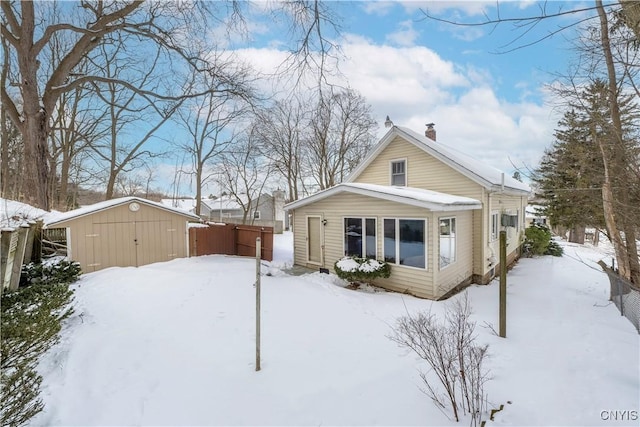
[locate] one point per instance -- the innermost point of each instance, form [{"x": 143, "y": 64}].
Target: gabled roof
[
  {"x": 184, "y": 204},
  {"x": 54, "y": 218},
  {"x": 427, "y": 199},
  {"x": 485, "y": 175}
]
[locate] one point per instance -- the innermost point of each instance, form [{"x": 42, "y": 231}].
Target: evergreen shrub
[
  {"x": 538, "y": 242},
  {"x": 355, "y": 269},
  {"x": 60, "y": 271},
  {"x": 31, "y": 321}
]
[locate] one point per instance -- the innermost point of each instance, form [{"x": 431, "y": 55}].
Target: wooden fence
[
  {"x": 230, "y": 239},
  {"x": 17, "y": 248}
]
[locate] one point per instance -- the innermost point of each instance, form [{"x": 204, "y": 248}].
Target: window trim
[
  {"x": 256, "y": 214},
  {"x": 397, "y": 242},
  {"x": 494, "y": 215},
  {"x": 363, "y": 244},
  {"x": 406, "y": 168},
  {"x": 455, "y": 239}
]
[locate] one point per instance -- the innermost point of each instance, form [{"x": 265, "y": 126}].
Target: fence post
[
  {"x": 258, "y": 256},
  {"x": 503, "y": 284},
  {"x": 620, "y": 295}
]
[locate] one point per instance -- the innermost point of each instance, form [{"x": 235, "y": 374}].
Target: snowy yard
[{"x": 173, "y": 344}]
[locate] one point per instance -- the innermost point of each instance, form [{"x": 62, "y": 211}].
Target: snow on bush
[{"x": 356, "y": 269}]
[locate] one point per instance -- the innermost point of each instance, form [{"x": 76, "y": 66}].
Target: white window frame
[
  {"x": 256, "y": 214},
  {"x": 454, "y": 238},
  {"x": 495, "y": 225},
  {"x": 397, "y": 242},
  {"x": 363, "y": 247},
  {"x": 391, "y": 175}
]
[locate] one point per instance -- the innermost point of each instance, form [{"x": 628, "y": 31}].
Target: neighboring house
[
  {"x": 430, "y": 211},
  {"x": 189, "y": 205},
  {"x": 534, "y": 215},
  {"x": 129, "y": 231},
  {"x": 267, "y": 211}
]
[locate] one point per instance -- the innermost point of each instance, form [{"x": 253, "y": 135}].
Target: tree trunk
[
  {"x": 576, "y": 234},
  {"x": 199, "y": 169},
  {"x": 628, "y": 261},
  {"x": 36, "y": 165},
  {"x": 63, "y": 193},
  {"x": 34, "y": 127}
]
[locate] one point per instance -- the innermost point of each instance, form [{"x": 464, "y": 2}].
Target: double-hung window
[
  {"x": 495, "y": 225},
  {"x": 399, "y": 173},
  {"x": 447, "y": 241},
  {"x": 360, "y": 237},
  {"x": 405, "y": 242}
]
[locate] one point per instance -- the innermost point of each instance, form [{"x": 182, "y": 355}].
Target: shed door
[
  {"x": 132, "y": 244},
  {"x": 314, "y": 244}
]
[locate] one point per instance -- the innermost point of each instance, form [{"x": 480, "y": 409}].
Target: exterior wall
[
  {"x": 423, "y": 171},
  {"x": 119, "y": 237},
  {"x": 490, "y": 249},
  {"x": 419, "y": 282},
  {"x": 460, "y": 271}
]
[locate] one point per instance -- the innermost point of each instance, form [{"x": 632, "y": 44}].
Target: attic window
[{"x": 398, "y": 173}]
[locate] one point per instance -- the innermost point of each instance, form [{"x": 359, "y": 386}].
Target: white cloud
[
  {"x": 378, "y": 7},
  {"x": 468, "y": 7},
  {"x": 414, "y": 86},
  {"x": 405, "y": 36}
]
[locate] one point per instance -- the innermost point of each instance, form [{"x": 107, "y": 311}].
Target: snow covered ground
[{"x": 173, "y": 344}]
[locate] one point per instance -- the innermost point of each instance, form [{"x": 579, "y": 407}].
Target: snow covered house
[
  {"x": 430, "y": 211},
  {"x": 266, "y": 210},
  {"x": 129, "y": 231},
  {"x": 189, "y": 205}
]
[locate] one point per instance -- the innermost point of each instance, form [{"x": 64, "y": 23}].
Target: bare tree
[
  {"x": 207, "y": 118},
  {"x": 132, "y": 119},
  {"x": 281, "y": 134},
  {"x": 618, "y": 62},
  {"x": 245, "y": 171},
  {"x": 455, "y": 360},
  {"x": 621, "y": 229},
  {"x": 341, "y": 133},
  {"x": 30, "y": 98}
]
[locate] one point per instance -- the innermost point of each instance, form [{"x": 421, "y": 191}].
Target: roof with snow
[
  {"x": 428, "y": 199},
  {"x": 54, "y": 218},
  {"x": 15, "y": 214},
  {"x": 534, "y": 211},
  {"x": 485, "y": 175},
  {"x": 184, "y": 204}
]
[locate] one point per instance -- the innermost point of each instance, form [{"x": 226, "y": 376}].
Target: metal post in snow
[
  {"x": 620, "y": 295},
  {"x": 503, "y": 284},
  {"x": 258, "y": 256}
]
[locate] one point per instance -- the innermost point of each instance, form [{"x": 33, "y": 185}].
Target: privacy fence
[
  {"x": 625, "y": 295},
  {"x": 230, "y": 239},
  {"x": 18, "y": 245}
]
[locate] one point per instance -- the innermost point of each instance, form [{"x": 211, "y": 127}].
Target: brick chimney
[{"x": 430, "y": 132}]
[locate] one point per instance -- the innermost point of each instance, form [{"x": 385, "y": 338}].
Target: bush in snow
[
  {"x": 538, "y": 241},
  {"x": 58, "y": 271},
  {"x": 454, "y": 359},
  {"x": 356, "y": 269},
  {"x": 31, "y": 321}
]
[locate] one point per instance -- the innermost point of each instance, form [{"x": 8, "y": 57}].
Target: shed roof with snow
[{"x": 129, "y": 231}]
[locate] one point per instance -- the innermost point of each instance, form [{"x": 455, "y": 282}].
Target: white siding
[{"x": 419, "y": 282}]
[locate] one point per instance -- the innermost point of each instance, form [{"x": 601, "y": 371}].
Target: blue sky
[{"x": 495, "y": 107}]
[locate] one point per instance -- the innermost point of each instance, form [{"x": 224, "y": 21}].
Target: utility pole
[{"x": 503, "y": 284}]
